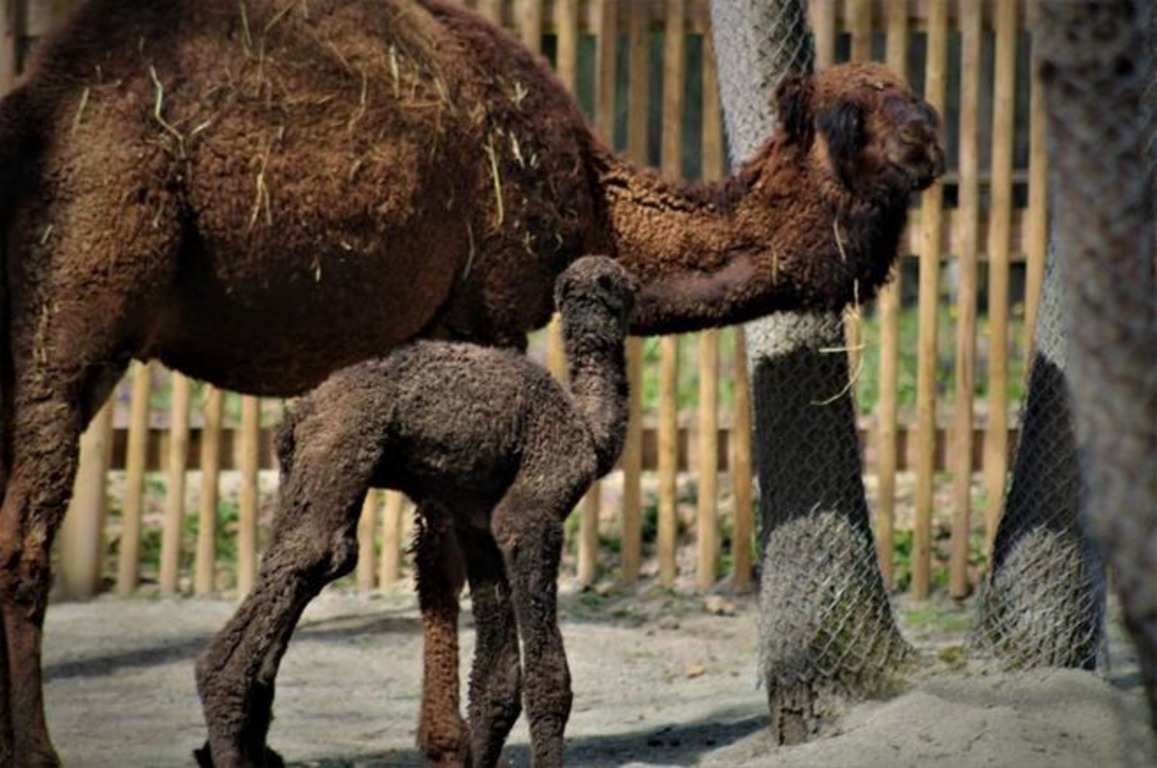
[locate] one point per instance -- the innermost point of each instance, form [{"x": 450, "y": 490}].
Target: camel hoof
[
  {"x": 204, "y": 758},
  {"x": 37, "y": 757},
  {"x": 449, "y": 762}
]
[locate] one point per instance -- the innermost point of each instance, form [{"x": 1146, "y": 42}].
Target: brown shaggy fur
[
  {"x": 259, "y": 192},
  {"x": 481, "y": 432}
]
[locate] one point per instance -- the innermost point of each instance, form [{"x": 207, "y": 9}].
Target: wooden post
[
  {"x": 999, "y": 240},
  {"x": 931, "y": 226},
  {"x": 492, "y": 10},
  {"x": 566, "y": 66},
  {"x": 967, "y": 296},
  {"x": 82, "y": 532},
  {"x": 178, "y": 463},
  {"x": 249, "y": 498},
  {"x": 11, "y": 25},
  {"x": 367, "y": 526},
  {"x": 823, "y": 21},
  {"x": 567, "y": 69},
  {"x": 588, "y": 549},
  {"x": 674, "y": 77},
  {"x": 632, "y": 466},
  {"x": 205, "y": 566},
  {"x": 566, "y": 53},
  {"x": 1038, "y": 193},
  {"x": 530, "y": 24},
  {"x": 708, "y": 511},
  {"x": 741, "y": 475},
  {"x": 668, "y": 437},
  {"x": 859, "y": 23},
  {"x": 632, "y": 459},
  {"x": 887, "y": 410},
  {"x": 136, "y": 457},
  {"x": 175, "y": 490},
  {"x": 391, "y": 562}
]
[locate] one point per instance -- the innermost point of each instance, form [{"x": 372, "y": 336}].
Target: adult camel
[{"x": 257, "y": 193}]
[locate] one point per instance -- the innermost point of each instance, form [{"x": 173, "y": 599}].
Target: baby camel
[{"x": 483, "y": 433}]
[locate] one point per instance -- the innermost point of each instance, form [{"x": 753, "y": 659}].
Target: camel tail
[{"x": 15, "y": 117}]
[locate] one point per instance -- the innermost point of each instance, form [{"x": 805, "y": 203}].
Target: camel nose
[
  {"x": 923, "y": 130},
  {"x": 941, "y": 163},
  {"x": 928, "y": 170}
]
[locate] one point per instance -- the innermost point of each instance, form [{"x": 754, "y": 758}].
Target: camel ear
[
  {"x": 842, "y": 127},
  {"x": 793, "y": 103}
]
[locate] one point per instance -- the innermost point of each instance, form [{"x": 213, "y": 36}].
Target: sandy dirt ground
[{"x": 659, "y": 680}]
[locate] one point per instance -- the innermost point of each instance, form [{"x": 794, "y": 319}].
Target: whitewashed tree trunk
[{"x": 827, "y": 632}]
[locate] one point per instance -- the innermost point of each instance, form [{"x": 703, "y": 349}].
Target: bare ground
[{"x": 659, "y": 678}]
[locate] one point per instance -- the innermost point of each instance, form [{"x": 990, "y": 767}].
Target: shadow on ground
[
  {"x": 336, "y": 629},
  {"x": 683, "y": 744}
]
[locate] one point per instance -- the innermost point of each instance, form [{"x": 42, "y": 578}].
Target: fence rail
[{"x": 937, "y": 382}]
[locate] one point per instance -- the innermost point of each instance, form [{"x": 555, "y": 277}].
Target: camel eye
[{"x": 876, "y": 84}]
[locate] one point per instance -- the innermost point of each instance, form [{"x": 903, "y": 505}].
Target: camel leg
[
  {"x": 442, "y": 734},
  {"x": 50, "y": 409},
  {"x": 314, "y": 541},
  {"x": 496, "y": 673},
  {"x": 530, "y": 535}
]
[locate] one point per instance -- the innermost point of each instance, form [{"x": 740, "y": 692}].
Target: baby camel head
[
  {"x": 595, "y": 295},
  {"x": 877, "y": 136}
]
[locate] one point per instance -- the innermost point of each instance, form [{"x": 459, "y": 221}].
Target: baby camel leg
[
  {"x": 529, "y": 531},
  {"x": 496, "y": 674},
  {"x": 442, "y": 734},
  {"x": 314, "y": 541}
]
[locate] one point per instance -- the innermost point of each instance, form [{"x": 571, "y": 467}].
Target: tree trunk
[
  {"x": 1043, "y": 601},
  {"x": 1096, "y": 64},
  {"x": 826, "y": 627}
]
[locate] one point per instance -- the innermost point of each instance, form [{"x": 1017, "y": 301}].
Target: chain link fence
[
  {"x": 1086, "y": 466},
  {"x": 1097, "y": 62},
  {"x": 827, "y": 631},
  {"x": 1042, "y": 602},
  {"x": 1087, "y": 458}
]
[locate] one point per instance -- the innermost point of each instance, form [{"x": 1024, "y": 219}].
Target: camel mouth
[{"x": 924, "y": 172}]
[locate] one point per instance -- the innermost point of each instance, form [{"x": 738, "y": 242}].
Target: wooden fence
[{"x": 937, "y": 378}]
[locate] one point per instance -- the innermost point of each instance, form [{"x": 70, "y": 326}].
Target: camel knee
[
  {"x": 341, "y": 557},
  {"x": 323, "y": 558},
  {"x": 311, "y": 543},
  {"x": 25, "y": 569},
  {"x": 531, "y": 545}
]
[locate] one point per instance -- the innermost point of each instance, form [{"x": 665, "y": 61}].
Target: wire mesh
[
  {"x": 1097, "y": 63},
  {"x": 1042, "y": 602},
  {"x": 826, "y": 625}
]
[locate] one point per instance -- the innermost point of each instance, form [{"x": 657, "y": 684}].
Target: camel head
[
  {"x": 594, "y": 292},
  {"x": 876, "y": 135}
]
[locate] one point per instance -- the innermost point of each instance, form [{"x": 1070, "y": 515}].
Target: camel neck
[
  {"x": 596, "y": 368},
  {"x": 767, "y": 239}
]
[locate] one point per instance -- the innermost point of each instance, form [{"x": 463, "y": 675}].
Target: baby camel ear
[
  {"x": 793, "y": 104},
  {"x": 842, "y": 127}
]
